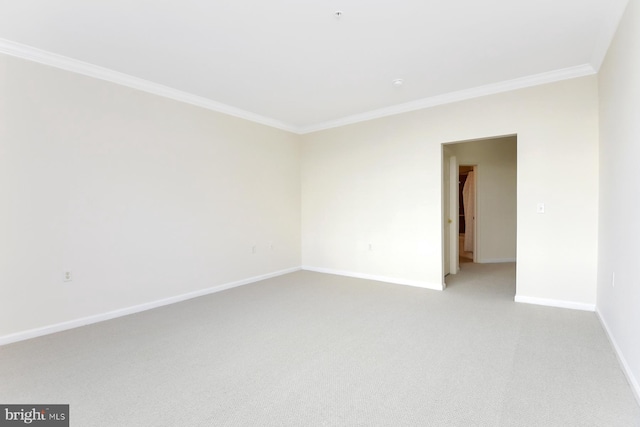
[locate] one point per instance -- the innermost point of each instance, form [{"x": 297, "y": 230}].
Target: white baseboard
[
  {"x": 394, "y": 280},
  {"x": 556, "y": 303},
  {"x": 63, "y": 326},
  {"x": 633, "y": 381},
  {"x": 496, "y": 260}
]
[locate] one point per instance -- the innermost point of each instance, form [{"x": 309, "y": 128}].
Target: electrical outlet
[{"x": 67, "y": 277}]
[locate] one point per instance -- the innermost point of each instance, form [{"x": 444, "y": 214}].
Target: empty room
[{"x": 246, "y": 213}]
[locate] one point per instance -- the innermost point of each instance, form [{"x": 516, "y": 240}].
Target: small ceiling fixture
[
  {"x": 338, "y": 14},
  {"x": 398, "y": 82}
]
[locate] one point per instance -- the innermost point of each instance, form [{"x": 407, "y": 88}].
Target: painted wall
[
  {"x": 380, "y": 182},
  {"x": 141, "y": 197},
  {"x": 619, "y": 305},
  {"x": 496, "y": 195},
  {"x": 145, "y": 198}
]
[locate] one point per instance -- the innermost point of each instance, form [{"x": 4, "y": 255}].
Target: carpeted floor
[{"x": 310, "y": 349}]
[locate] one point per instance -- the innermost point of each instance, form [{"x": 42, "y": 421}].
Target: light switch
[{"x": 540, "y": 208}]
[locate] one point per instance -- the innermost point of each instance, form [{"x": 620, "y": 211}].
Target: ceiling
[{"x": 295, "y": 65}]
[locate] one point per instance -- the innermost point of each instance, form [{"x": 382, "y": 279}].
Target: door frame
[
  {"x": 475, "y": 213},
  {"x": 447, "y": 242}
]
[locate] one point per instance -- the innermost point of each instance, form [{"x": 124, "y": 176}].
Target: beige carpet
[{"x": 310, "y": 349}]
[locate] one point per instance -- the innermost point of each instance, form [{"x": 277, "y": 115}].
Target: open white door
[
  {"x": 446, "y": 224},
  {"x": 453, "y": 215}
]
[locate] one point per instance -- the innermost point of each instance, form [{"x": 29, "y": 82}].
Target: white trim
[
  {"x": 556, "y": 303},
  {"x": 19, "y": 50},
  {"x": 633, "y": 382},
  {"x": 496, "y": 260},
  {"x": 63, "y": 326},
  {"x": 63, "y": 62},
  {"x": 447, "y": 98},
  {"x": 394, "y": 280}
]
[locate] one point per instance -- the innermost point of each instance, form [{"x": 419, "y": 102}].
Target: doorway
[
  {"x": 466, "y": 213},
  {"x": 482, "y": 230}
]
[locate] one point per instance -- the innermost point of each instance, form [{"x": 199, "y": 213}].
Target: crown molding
[
  {"x": 63, "y": 62},
  {"x": 59, "y": 61},
  {"x": 448, "y": 98}
]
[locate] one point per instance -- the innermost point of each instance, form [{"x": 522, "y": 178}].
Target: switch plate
[{"x": 540, "y": 208}]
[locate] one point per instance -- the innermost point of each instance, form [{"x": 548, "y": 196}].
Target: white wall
[
  {"x": 619, "y": 79},
  {"x": 141, "y": 197},
  {"x": 380, "y": 182},
  {"x": 496, "y": 179},
  {"x": 145, "y": 198}
]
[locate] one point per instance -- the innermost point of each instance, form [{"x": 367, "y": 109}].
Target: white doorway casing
[{"x": 494, "y": 162}]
